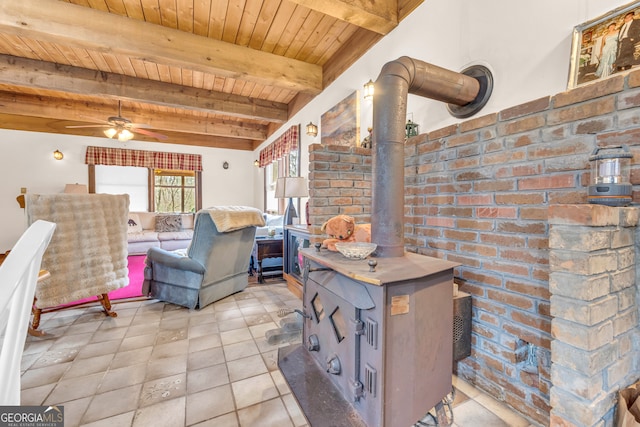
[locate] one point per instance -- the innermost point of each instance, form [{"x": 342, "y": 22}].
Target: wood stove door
[{"x": 330, "y": 334}]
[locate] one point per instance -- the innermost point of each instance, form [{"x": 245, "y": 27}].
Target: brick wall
[
  {"x": 479, "y": 193},
  {"x": 339, "y": 183}
]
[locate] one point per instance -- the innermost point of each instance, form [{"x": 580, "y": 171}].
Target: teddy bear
[{"x": 343, "y": 228}]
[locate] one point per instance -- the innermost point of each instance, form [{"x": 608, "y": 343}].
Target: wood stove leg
[
  {"x": 106, "y": 305},
  {"x": 443, "y": 418}
]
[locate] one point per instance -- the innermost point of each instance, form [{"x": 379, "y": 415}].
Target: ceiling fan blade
[
  {"x": 87, "y": 126},
  {"x": 149, "y": 133},
  {"x": 140, "y": 126},
  {"x": 120, "y": 123}
]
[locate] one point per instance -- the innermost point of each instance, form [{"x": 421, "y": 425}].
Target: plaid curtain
[
  {"x": 282, "y": 146},
  {"x": 143, "y": 159}
]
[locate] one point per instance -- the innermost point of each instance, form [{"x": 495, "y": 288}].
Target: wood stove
[
  {"x": 377, "y": 345},
  {"x": 378, "y": 339}
]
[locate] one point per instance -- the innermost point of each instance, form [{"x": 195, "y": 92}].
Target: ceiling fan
[{"x": 121, "y": 128}]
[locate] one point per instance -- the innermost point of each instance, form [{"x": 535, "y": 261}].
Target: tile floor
[{"x": 158, "y": 364}]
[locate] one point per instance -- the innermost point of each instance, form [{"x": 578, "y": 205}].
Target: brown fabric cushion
[{"x": 168, "y": 223}]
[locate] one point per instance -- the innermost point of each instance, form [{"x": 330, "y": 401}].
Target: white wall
[
  {"x": 27, "y": 161},
  {"x": 526, "y": 44}
]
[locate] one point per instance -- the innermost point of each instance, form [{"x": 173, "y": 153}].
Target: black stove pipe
[{"x": 397, "y": 79}]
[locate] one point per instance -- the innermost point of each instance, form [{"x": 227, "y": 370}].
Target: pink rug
[
  {"x": 134, "y": 289},
  {"x": 136, "y": 276}
]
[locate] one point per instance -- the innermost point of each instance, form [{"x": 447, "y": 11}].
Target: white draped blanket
[
  {"x": 87, "y": 255},
  {"x": 230, "y": 218}
]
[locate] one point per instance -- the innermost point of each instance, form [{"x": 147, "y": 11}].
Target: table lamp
[
  {"x": 290, "y": 187},
  {"x": 75, "y": 189}
]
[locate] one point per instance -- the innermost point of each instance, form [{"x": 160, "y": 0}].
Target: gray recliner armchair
[{"x": 214, "y": 267}]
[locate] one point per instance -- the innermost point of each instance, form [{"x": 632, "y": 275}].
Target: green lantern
[{"x": 411, "y": 129}]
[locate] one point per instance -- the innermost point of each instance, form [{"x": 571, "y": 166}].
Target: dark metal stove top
[{"x": 388, "y": 270}]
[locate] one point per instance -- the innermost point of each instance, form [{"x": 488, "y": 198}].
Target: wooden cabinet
[
  {"x": 296, "y": 237},
  {"x": 268, "y": 248}
]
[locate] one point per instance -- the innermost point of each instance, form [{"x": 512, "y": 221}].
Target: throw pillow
[
  {"x": 133, "y": 223},
  {"x": 168, "y": 223}
]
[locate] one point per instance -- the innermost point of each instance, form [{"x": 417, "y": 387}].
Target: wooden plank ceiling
[{"x": 213, "y": 73}]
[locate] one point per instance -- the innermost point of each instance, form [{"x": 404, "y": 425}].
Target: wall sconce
[
  {"x": 312, "y": 130},
  {"x": 368, "y": 90},
  {"x": 58, "y": 155},
  {"x": 256, "y": 163}
]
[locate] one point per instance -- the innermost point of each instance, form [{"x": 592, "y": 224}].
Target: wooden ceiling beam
[
  {"x": 55, "y": 21},
  {"x": 379, "y": 16},
  {"x": 63, "y": 78},
  {"x": 405, "y": 7},
  {"x": 361, "y": 41},
  {"x": 79, "y": 113},
  {"x": 40, "y": 124}
]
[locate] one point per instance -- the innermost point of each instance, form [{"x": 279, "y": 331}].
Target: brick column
[
  {"x": 339, "y": 183},
  {"x": 594, "y": 351}
]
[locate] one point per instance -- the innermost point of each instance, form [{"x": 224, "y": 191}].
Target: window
[
  {"x": 173, "y": 180},
  {"x": 280, "y": 158},
  {"x": 124, "y": 179},
  {"x": 284, "y": 166},
  {"x": 271, "y": 176},
  {"x": 174, "y": 191},
  {"x": 293, "y": 162}
]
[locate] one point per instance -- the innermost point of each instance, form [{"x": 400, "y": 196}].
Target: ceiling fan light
[
  {"x": 110, "y": 133},
  {"x": 124, "y": 135}
]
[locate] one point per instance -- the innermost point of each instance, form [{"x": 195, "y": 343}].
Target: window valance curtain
[
  {"x": 286, "y": 143},
  {"x": 143, "y": 159}
]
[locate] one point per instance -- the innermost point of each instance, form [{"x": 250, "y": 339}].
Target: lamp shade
[
  {"x": 75, "y": 189},
  {"x": 292, "y": 186}
]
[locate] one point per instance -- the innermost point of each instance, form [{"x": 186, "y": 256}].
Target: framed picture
[
  {"x": 341, "y": 124},
  {"x": 606, "y": 45}
]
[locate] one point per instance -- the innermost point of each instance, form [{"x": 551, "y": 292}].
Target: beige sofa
[
  {"x": 271, "y": 222},
  {"x": 153, "y": 230}
]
